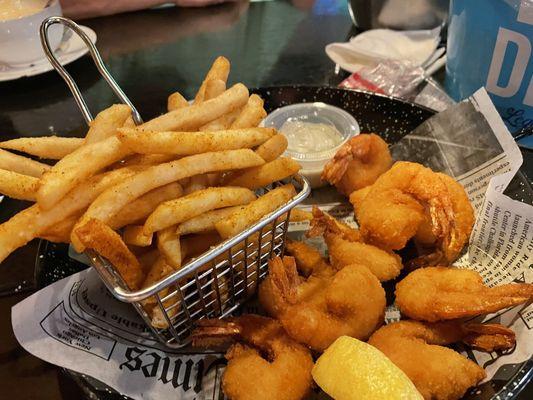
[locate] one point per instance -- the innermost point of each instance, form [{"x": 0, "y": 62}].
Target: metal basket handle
[{"x": 80, "y": 101}]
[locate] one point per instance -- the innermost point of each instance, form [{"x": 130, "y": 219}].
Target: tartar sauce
[{"x": 306, "y": 137}]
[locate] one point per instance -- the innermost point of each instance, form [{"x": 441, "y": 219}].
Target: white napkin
[{"x": 371, "y": 47}]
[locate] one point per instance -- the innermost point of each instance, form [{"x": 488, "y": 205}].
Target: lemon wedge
[{"x": 351, "y": 369}]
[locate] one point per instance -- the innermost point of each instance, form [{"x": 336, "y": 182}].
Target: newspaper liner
[{"x": 76, "y": 323}]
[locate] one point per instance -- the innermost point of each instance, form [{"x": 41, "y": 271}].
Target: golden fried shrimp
[
  {"x": 265, "y": 363},
  {"x": 393, "y": 209},
  {"x": 345, "y": 247},
  {"x": 383, "y": 264},
  {"x": 357, "y": 197},
  {"x": 358, "y": 163},
  {"x": 317, "y": 310},
  {"x": 308, "y": 259},
  {"x": 442, "y": 293},
  {"x": 416, "y": 348},
  {"x": 322, "y": 222},
  {"x": 463, "y": 224}
]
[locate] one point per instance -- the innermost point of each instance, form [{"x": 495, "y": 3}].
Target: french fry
[
  {"x": 254, "y": 211},
  {"x": 188, "y": 143},
  {"x": 196, "y": 182},
  {"x": 176, "y": 211},
  {"x": 205, "y": 222},
  {"x": 272, "y": 148},
  {"x": 129, "y": 123},
  {"x": 139, "y": 209},
  {"x": 50, "y": 147},
  {"x": 112, "y": 200},
  {"x": 147, "y": 159},
  {"x": 219, "y": 70},
  {"x": 176, "y": 101},
  {"x": 60, "y": 232},
  {"x": 76, "y": 167},
  {"x": 22, "y": 165},
  {"x": 106, "y": 123},
  {"x": 159, "y": 270},
  {"x": 192, "y": 117},
  {"x": 251, "y": 115},
  {"x": 18, "y": 186},
  {"x": 168, "y": 243},
  {"x": 194, "y": 245},
  {"x": 147, "y": 260},
  {"x": 263, "y": 175},
  {"x": 31, "y": 222},
  {"x": 223, "y": 122},
  {"x": 214, "y": 88},
  {"x": 105, "y": 241},
  {"x": 133, "y": 235}
]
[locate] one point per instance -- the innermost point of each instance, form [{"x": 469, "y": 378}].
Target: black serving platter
[{"x": 392, "y": 119}]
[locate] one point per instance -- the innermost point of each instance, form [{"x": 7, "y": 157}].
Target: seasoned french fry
[
  {"x": 147, "y": 260},
  {"x": 187, "y": 143},
  {"x": 219, "y": 70},
  {"x": 214, "y": 88},
  {"x": 18, "y": 186},
  {"x": 251, "y": 115},
  {"x": 194, "y": 245},
  {"x": 105, "y": 241},
  {"x": 272, "y": 148},
  {"x": 106, "y": 123},
  {"x": 223, "y": 122},
  {"x": 159, "y": 270},
  {"x": 111, "y": 201},
  {"x": 263, "y": 175},
  {"x": 76, "y": 167},
  {"x": 60, "y": 232},
  {"x": 192, "y": 117},
  {"x": 197, "y": 182},
  {"x": 31, "y": 222},
  {"x": 176, "y": 211},
  {"x": 176, "y": 101},
  {"x": 50, "y": 147},
  {"x": 205, "y": 222},
  {"x": 22, "y": 165},
  {"x": 133, "y": 235},
  {"x": 254, "y": 211},
  {"x": 168, "y": 243},
  {"x": 129, "y": 123},
  {"x": 139, "y": 209},
  {"x": 147, "y": 159}
]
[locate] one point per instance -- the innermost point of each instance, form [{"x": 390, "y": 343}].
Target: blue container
[{"x": 490, "y": 44}]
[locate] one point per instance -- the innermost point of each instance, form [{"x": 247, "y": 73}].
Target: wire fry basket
[{"x": 211, "y": 285}]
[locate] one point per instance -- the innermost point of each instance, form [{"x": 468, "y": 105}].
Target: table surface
[{"x": 150, "y": 54}]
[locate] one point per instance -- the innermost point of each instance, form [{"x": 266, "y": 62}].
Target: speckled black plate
[{"x": 392, "y": 119}]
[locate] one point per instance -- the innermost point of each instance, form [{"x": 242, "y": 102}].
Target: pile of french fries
[{"x": 150, "y": 197}]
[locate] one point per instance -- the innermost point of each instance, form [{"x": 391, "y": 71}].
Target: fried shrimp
[
  {"x": 394, "y": 207},
  {"x": 443, "y": 293},
  {"x": 416, "y": 348},
  {"x": 328, "y": 304},
  {"x": 264, "y": 363},
  {"x": 463, "y": 224},
  {"x": 358, "y": 163},
  {"x": 345, "y": 247}
]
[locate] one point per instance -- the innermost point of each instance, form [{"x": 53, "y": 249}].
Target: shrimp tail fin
[
  {"x": 323, "y": 223},
  {"x": 284, "y": 277},
  {"x": 214, "y": 332},
  {"x": 488, "y": 337},
  {"x": 359, "y": 147}
]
